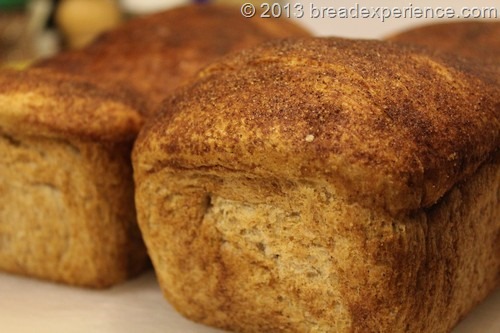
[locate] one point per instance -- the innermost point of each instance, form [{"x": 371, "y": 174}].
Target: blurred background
[{"x": 30, "y": 29}]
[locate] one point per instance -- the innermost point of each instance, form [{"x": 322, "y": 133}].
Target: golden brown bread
[
  {"x": 156, "y": 53},
  {"x": 472, "y": 39},
  {"x": 325, "y": 185},
  {"x": 395, "y": 133},
  {"x": 45, "y": 102},
  {"x": 67, "y": 126},
  {"x": 66, "y": 190}
]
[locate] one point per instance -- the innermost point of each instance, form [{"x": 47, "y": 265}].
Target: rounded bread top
[
  {"x": 47, "y": 103},
  {"x": 154, "y": 54},
  {"x": 390, "y": 126},
  {"x": 472, "y": 39}
]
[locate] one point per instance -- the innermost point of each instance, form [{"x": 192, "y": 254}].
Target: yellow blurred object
[
  {"x": 18, "y": 65},
  {"x": 81, "y": 21}
]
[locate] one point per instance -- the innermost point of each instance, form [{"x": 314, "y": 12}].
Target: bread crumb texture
[
  {"x": 387, "y": 221},
  {"x": 66, "y": 189},
  {"x": 66, "y": 211},
  {"x": 253, "y": 254}
]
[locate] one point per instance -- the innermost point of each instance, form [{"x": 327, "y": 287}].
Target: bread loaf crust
[
  {"x": 67, "y": 209},
  {"x": 58, "y": 105},
  {"x": 478, "y": 40},
  {"x": 394, "y": 127},
  {"x": 268, "y": 254},
  {"x": 325, "y": 185},
  {"x": 155, "y": 54},
  {"x": 96, "y": 99}
]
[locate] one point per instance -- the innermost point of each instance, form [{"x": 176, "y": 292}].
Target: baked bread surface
[
  {"x": 82, "y": 110},
  {"x": 156, "y": 53},
  {"x": 472, "y": 39},
  {"x": 325, "y": 185},
  {"x": 46, "y": 102},
  {"x": 393, "y": 126}
]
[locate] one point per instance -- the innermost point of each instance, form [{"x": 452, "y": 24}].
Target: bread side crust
[
  {"x": 67, "y": 212},
  {"x": 266, "y": 254},
  {"x": 390, "y": 126}
]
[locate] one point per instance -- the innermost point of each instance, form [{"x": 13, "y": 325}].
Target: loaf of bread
[
  {"x": 67, "y": 126},
  {"x": 325, "y": 185},
  {"x": 66, "y": 189},
  {"x": 154, "y": 54},
  {"x": 472, "y": 39}
]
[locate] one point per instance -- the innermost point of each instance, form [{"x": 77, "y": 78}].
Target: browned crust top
[
  {"x": 48, "y": 103},
  {"x": 394, "y": 127},
  {"x": 473, "y": 39},
  {"x": 154, "y": 54}
]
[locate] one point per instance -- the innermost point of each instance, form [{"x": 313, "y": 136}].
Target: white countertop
[{"x": 137, "y": 306}]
